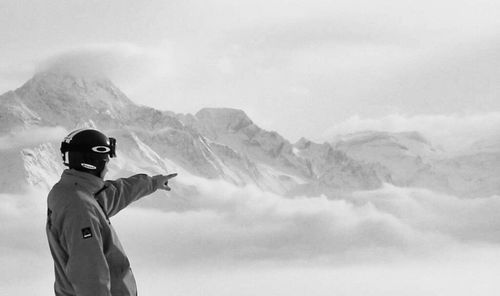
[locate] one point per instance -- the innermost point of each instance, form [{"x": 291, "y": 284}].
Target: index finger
[{"x": 170, "y": 176}]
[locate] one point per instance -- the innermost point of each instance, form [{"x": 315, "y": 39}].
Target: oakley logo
[{"x": 101, "y": 149}]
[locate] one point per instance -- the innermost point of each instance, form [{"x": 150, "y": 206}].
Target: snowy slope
[
  {"x": 214, "y": 143},
  {"x": 220, "y": 144},
  {"x": 286, "y": 166},
  {"x": 412, "y": 161},
  {"x": 405, "y": 155}
]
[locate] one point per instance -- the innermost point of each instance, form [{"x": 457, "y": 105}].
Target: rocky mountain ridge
[
  {"x": 222, "y": 143},
  {"x": 214, "y": 143}
]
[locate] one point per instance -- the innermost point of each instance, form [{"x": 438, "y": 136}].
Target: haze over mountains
[{"x": 221, "y": 144}]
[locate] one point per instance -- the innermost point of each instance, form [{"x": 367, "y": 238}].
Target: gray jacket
[{"x": 88, "y": 257}]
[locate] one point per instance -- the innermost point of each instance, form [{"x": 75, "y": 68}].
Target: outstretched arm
[{"x": 118, "y": 194}]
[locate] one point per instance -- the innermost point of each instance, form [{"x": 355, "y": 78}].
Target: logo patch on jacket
[{"x": 86, "y": 233}]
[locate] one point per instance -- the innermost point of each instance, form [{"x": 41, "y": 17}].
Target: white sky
[{"x": 301, "y": 68}]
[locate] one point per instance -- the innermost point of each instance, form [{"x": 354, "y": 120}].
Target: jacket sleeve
[
  {"x": 87, "y": 267},
  {"x": 120, "y": 193}
]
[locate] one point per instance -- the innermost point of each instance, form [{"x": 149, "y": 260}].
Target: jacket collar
[{"x": 86, "y": 180}]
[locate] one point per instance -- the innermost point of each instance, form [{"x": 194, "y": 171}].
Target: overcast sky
[{"x": 302, "y": 68}]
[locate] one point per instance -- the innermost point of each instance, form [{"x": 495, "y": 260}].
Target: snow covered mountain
[
  {"x": 405, "y": 155},
  {"x": 220, "y": 144},
  {"x": 412, "y": 161},
  {"x": 214, "y": 143}
]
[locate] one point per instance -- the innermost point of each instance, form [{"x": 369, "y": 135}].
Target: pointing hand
[{"x": 162, "y": 181}]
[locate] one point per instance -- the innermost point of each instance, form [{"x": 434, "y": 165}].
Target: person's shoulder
[
  {"x": 71, "y": 196},
  {"x": 59, "y": 193}
]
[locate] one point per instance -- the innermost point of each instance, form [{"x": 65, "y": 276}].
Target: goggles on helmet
[
  {"x": 112, "y": 147},
  {"x": 109, "y": 149}
]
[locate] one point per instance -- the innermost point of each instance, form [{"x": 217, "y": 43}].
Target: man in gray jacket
[{"x": 88, "y": 257}]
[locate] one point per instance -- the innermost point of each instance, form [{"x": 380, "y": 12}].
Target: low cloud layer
[
  {"x": 26, "y": 264},
  {"x": 228, "y": 227},
  {"x": 31, "y": 137},
  {"x": 229, "y": 224}
]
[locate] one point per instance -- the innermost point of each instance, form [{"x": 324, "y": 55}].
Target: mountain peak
[
  {"x": 224, "y": 118},
  {"x": 59, "y": 74},
  {"x": 100, "y": 91},
  {"x": 70, "y": 83},
  {"x": 63, "y": 98},
  {"x": 226, "y": 112},
  {"x": 302, "y": 143}
]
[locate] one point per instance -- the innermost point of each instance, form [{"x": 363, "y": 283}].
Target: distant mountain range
[{"x": 224, "y": 144}]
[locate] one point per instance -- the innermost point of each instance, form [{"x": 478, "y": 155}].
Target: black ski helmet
[{"x": 87, "y": 150}]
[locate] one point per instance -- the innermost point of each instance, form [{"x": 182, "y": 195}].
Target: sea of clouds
[{"x": 232, "y": 240}]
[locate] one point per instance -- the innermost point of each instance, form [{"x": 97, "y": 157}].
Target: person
[{"x": 89, "y": 259}]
